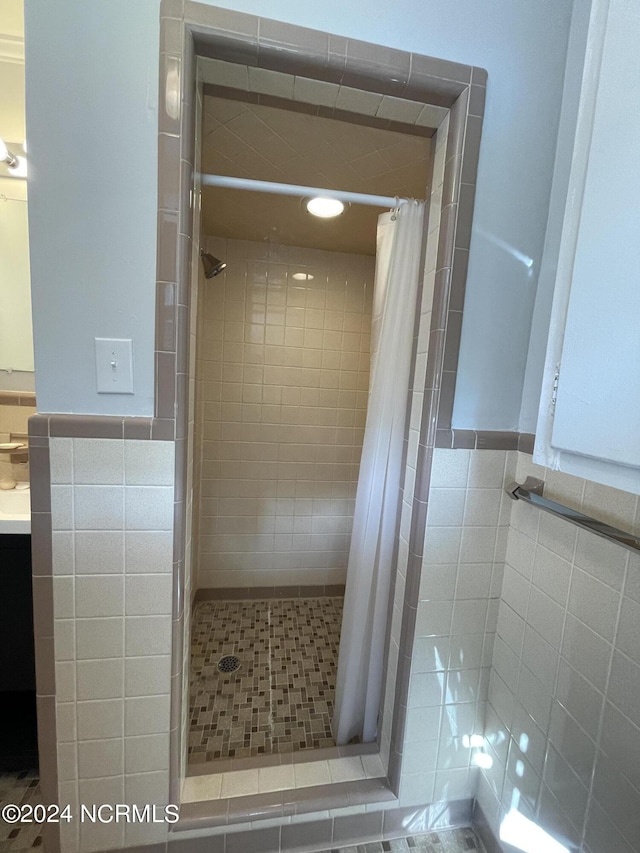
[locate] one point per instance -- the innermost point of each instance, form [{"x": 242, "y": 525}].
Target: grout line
[
  {"x": 590, "y": 794},
  {"x": 271, "y": 714}
]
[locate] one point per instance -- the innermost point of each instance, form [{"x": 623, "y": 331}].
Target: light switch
[{"x": 114, "y": 365}]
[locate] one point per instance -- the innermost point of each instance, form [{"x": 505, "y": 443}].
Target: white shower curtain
[{"x": 360, "y": 664}]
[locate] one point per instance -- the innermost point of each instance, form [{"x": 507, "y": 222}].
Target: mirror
[{"x": 16, "y": 334}]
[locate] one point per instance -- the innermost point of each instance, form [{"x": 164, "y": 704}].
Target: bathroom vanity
[{"x": 18, "y": 739}]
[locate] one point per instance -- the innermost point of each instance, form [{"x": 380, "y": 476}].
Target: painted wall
[
  {"x": 94, "y": 276},
  {"x": 92, "y": 128}
]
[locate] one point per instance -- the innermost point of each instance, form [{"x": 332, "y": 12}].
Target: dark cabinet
[{"x": 18, "y": 737}]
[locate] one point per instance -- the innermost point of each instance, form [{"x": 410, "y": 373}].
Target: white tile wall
[
  {"x": 459, "y": 590},
  {"x": 563, "y": 727},
  {"x": 283, "y": 370},
  {"x": 112, "y": 600},
  {"x": 240, "y": 783}
]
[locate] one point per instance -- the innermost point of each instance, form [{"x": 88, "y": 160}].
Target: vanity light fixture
[
  {"x": 326, "y": 208},
  {"x": 302, "y": 276},
  {"x": 7, "y": 157},
  {"x": 16, "y": 165}
]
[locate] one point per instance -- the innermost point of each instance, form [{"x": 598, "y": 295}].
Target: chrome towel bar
[{"x": 531, "y": 492}]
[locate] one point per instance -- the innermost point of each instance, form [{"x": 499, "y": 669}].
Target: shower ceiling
[{"x": 272, "y": 144}]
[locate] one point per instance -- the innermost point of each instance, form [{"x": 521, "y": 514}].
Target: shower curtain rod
[{"x": 297, "y": 190}]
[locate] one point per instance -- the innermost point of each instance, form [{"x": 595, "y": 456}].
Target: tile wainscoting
[
  {"x": 112, "y": 565},
  {"x": 563, "y": 726}
]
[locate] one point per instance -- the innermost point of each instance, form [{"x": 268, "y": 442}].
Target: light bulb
[
  {"x": 325, "y": 207},
  {"x": 6, "y": 156},
  {"x": 19, "y": 170}
]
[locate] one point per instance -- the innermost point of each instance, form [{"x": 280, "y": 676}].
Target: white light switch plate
[{"x": 114, "y": 365}]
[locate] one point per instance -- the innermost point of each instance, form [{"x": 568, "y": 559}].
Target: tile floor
[
  {"x": 281, "y": 698},
  {"x": 18, "y": 789},
  {"x": 447, "y": 841}
]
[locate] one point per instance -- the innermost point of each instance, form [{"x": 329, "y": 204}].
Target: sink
[{"x": 15, "y": 511}]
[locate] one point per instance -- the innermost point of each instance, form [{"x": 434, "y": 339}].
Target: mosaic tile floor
[
  {"x": 281, "y": 698},
  {"x": 447, "y": 841},
  {"x": 18, "y": 789}
]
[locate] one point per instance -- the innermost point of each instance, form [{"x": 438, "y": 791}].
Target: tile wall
[
  {"x": 465, "y": 539},
  {"x": 460, "y": 586},
  {"x": 112, "y": 522},
  {"x": 563, "y": 720},
  {"x": 283, "y": 368}
]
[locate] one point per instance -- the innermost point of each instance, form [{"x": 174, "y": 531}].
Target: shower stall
[
  {"x": 281, "y": 416},
  {"x": 282, "y": 389}
]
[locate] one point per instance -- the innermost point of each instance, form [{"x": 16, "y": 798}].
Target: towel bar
[{"x": 531, "y": 492}]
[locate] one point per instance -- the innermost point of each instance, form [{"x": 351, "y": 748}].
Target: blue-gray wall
[{"x": 91, "y": 95}]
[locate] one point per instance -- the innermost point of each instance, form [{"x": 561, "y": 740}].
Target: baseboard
[
  {"x": 319, "y": 835},
  {"x": 484, "y": 832},
  {"x": 277, "y": 759},
  {"x": 332, "y": 832},
  {"x": 237, "y": 593}
]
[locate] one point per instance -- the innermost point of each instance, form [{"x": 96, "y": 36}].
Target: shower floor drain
[{"x": 229, "y": 663}]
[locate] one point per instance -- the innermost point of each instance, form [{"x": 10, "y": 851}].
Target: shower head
[{"x": 212, "y": 266}]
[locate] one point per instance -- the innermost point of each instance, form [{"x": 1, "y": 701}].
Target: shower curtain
[{"x": 360, "y": 664}]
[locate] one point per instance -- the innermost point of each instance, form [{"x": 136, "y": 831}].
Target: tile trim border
[
  {"x": 156, "y": 429},
  {"x": 233, "y": 593},
  {"x": 479, "y": 439},
  {"x": 101, "y": 426},
  {"x": 483, "y": 830},
  {"x": 18, "y": 398}
]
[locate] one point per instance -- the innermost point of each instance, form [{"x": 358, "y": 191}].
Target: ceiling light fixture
[
  {"x": 325, "y": 207},
  {"x": 302, "y": 276}
]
